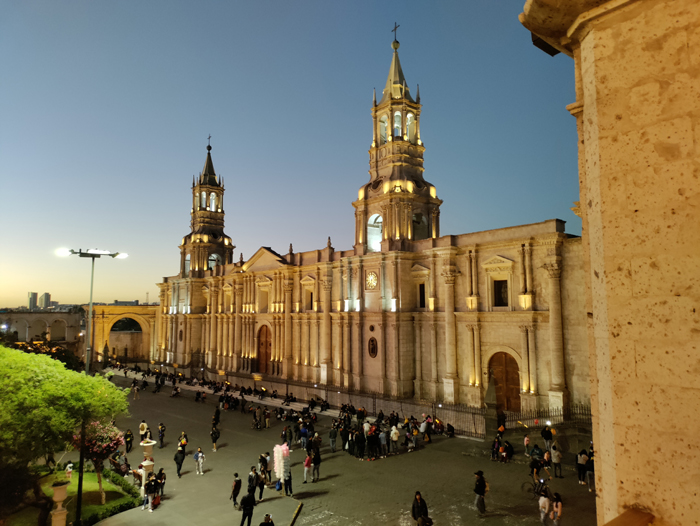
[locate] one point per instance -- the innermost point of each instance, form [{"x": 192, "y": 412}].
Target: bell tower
[
  {"x": 397, "y": 206},
  {"x": 206, "y": 246}
]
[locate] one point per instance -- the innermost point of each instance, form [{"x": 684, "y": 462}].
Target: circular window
[
  {"x": 372, "y": 348},
  {"x": 371, "y": 328}
]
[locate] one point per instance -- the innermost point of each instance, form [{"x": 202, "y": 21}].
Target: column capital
[{"x": 553, "y": 269}]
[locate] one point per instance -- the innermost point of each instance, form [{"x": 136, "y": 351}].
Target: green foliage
[
  {"x": 124, "y": 484},
  {"x": 111, "y": 509},
  {"x": 41, "y": 406},
  {"x": 101, "y": 440}
]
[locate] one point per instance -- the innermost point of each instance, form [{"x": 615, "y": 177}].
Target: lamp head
[{"x": 63, "y": 252}]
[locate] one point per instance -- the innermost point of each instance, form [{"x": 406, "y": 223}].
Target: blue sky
[{"x": 105, "y": 109}]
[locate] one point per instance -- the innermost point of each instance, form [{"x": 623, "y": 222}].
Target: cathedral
[{"x": 405, "y": 312}]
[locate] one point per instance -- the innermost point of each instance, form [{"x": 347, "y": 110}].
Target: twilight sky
[{"x": 105, "y": 109}]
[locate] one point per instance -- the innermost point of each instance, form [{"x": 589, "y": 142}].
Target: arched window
[
  {"x": 212, "y": 202},
  {"x": 374, "y": 233},
  {"x": 383, "y": 128},
  {"x": 203, "y": 201},
  {"x": 186, "y": 270},
  {"x": 420, "y": 227},
  {"x": 397, "y": 124},
  {"x": 214, "y": 260},
  {"x": 411, "y": 128}
]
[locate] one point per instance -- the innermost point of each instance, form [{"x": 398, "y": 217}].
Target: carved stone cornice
[{"x": 553, "y": 269}]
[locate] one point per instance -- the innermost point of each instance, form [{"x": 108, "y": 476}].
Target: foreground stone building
[
  {"x": 405, "y": 312},
  {"x": 637, "y": 109}
]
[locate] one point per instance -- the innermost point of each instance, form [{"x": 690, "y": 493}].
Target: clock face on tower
[{"x": 372, "y": 280}]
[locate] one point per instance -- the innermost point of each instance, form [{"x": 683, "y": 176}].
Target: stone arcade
[{"x": 405, "y": 312}]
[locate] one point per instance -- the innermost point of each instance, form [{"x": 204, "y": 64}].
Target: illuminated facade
[{"x": 405, "y": 312}]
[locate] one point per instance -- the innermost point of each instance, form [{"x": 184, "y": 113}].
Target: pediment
[
  {"x": 263, "y": 280},
  {"x": 308, "y": 280},
  {"x": 264, "y": 259},
  {"x": 417, "y": 269},
  {"x": 497, "y": 261}
]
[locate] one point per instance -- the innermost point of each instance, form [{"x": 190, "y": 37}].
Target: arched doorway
[
  {"x": 126, "y": 341},
  {"x": 264, "y": 348},
  {"x": 506, "y": 374}
]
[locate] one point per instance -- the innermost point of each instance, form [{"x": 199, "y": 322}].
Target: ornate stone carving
[{"x": 553, "y": 269}]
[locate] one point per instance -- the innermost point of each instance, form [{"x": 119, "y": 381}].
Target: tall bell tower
[
  {"x": 397, "y": 206},
  {"x": 206, "y": 246}
]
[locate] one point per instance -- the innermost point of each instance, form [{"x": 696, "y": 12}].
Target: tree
[
  {"x": 101, "y": 440},
  {"x": 41, "y": 406}
]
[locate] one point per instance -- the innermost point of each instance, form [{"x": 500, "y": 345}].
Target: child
[
  {"x": 199, "y": 461},
  {"x": 69, "y": 470}
]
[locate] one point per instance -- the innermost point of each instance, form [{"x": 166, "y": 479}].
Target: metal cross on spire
[
  {"x": 209, "y": 139},
  {"x": 394, "y": 30}
]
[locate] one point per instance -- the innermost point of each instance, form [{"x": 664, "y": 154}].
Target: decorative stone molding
[{"x": 553, "y": 269}]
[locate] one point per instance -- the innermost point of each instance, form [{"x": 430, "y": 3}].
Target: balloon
[{"x": 536, "y": 421}]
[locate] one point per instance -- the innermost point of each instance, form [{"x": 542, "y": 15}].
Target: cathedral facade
[{"x": 406, "y": 312}]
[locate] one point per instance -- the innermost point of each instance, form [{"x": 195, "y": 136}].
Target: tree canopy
[{"x": 42, "y": 405}]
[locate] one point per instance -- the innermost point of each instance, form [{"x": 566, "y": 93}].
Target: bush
[
  {"x": 121, "y": 482},
  {"x": 109, "y": 510}
]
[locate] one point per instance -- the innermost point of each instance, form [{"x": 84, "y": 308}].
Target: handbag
[{"x": 278, "y": 486}]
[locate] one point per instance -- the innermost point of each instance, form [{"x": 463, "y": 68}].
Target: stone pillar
[
  {"x": 305, "y": 348},
  {"x": 325, "y": 336},
  {"x": 238, "y": 295},
  {"x": 223, "y": 363},
  {"x": 297, "y": 348},
  {"x": 315, "y": 355},
  {"x": 382, "y": 357},
  {"x": 433, "y": 359},
  {"x": 451, "y": 380},
  {"x": 524, "y": 359},
  {"x": 477, "y": 356},
  {"x": 347, "y": 371},
  {"x": 471, "y": 371},
  {"x": 532, "y": 351},
  {"x": 287, "y": 360},
  {"x": 418, "y": 346},
  {"x": 557, "y": 389},
  {"x": 356, "y": 355}
]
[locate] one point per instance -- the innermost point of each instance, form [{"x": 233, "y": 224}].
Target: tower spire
[
  {"x": 394, "y": 88},
  {"x": 208, "y": 176}
]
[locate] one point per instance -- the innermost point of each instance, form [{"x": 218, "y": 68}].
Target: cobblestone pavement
[{"x": 350, "y": 492}]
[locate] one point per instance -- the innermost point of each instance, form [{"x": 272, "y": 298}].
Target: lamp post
[{"x": 92, "y": 253}]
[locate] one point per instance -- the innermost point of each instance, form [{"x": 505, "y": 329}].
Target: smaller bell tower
[
  {"x": 206, "y": 246},
  {"x": 397, "y": 206}
]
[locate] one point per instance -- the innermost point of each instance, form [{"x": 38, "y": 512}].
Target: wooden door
[
  {"x": 264, "y": 349},
  {"x": 507, "y": 377}
]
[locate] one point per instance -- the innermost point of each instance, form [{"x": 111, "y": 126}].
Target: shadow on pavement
[{"x": 309, "y": 494}]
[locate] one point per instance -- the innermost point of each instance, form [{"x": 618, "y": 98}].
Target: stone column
[
  {"x": 382, "y": 357},
  {"x": 305, "y": 348},
  {"x": 223, "y": 364},
  {"x": 315, "y": 355},
  {"x": 219, "y": 339},
  {"x": 297, "y": 348},
  {"x": 357, "y": 355},
  {"x": 238, "y": 294},
  {"x": 470, "y": 355},
  {"x": 528, "y": 268},
  {"x": 287, "y": 360},
  {"x": 532, "y": 351},
  {"x": 433, "y": 359},
  {"x": 477, "y": 356},
  {"x": 451, "y": 380},
  {"x": 347, "y": 371},
  {"x": 325, "y": 336},
  {"x": 524, "y": 358},
  {"x": 557, "y": 388}
]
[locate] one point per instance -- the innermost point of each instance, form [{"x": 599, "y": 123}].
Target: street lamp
[{"x": 93, "y": 253}]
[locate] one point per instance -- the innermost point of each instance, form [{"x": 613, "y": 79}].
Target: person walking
[
  {"x": 262, "y": 479},
  {"x": 544, "y": 508},
  {"x": 236, "y": 489},
  {"x": 135, "y": 389},
  {"x": 555, "y": 514},
  {"x": 556, "y": 462},
  {"x": 150, "y": 493},
  {"x": 590, "y": 472},
  {"x": 547, "y": 437},
  {"x": 419, "y": 511},
  {"x": 179, "y": 459},
  {"x": 581, "y": 461},
  {"x": 143, "y": 426},
  {"x": 182, "y": 442},
  {"x": 199, "y": 461},
  {"x": 316, "y": 461},
  {"x": 307, "y": 465},
  {"x": 252, "y": 480},
  {"x": 394, "y": 436},
  {"x": 215, "y": 434},
  {"x": 247, "y": 505},
  {"x": 480, "y": 489},
  {"x": 161, "y": 434},
  {"x": 128, "y": 440},
  {"x": 332, "y": 436},
  {"x": 287, "y": 476},
  {"x": 160, "y": 478}
]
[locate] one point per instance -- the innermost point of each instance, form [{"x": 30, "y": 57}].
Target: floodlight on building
[{"x": 549, "y": 423}]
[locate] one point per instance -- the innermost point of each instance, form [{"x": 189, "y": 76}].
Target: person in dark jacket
[
  {"x": 480, "y": 491},
  {"x": 419, "y": 510},
  {"x": 215, "y": 434},
  {"x": 247, "y": 505},
  {"x": 179, "y": 459},
  {"x": 128, "y": 440},
  {"x": 547, "y": 437},
  {"x": 236, "y": 489}
]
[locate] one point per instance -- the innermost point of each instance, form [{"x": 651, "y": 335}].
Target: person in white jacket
[{"x": 199, "y": 461}]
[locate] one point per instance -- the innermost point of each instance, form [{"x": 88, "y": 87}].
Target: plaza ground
[{"x": 349, "y": 492}]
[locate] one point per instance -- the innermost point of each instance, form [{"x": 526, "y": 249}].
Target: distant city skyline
[{"x": 109, "y": 105}]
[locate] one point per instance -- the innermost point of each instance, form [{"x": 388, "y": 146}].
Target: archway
[
  {"x": 58, "y": 330},
  {"x": 264, "y": 348},
  {"x": 126, "y": 340},
  {"x": 36, "y": 329},
  {"x": 374, "y": 233},
  {"x": 506, "y": 374}
]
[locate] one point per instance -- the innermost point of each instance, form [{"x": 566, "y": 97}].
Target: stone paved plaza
[{"x": 349, "y": 492}]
